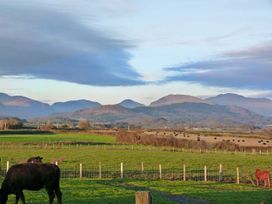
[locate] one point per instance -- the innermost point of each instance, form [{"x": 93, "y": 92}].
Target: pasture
[{"x": 17, "y": 148}]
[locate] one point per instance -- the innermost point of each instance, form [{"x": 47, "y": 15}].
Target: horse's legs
[
  {"x": 257, "y": 182},
  {"x": 22, "y": 196},
  {"x": 17, "y": 198},
  {"x": 265, "y": 181},
  {"x": 58, "y": 194},
  {"x": 51, "y": 195},
  {"x": 19, "y": 195}
]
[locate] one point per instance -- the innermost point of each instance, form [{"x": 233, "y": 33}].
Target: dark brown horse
[
  {"x": 262, "y": 176},
  {"x": 31, "y": 176},
  {"x": 37, "y": 159}
]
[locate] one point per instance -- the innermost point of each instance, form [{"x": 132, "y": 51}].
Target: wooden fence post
[
  {"x": 100, "y": 170},
  {"x": 220, "y": 172},
  {"x": 80, "y": 170},
  {"x": 237, "y": 175},
  {"x": 143, "y": 197},
  {"x": 205, "y": 173},
  {"x": 142, "y": 168},
  {"x": 7, "y": 166},
  {"x": 160, "y": 170},
  {"x": 122, "y": 170},
  {"x": 184, "y": 172}
]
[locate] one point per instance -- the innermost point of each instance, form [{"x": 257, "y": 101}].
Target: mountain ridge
[
  {"x": 176, "y": 98},
  {"x": 169, "y": 115},
  {"x": 261, "y": 106},
  {"x": 128, "y": 103},
  {"x": 166, "y": 110}
]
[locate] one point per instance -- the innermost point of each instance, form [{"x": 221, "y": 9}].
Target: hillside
[
  {"x": 203, "y": 113},
  {"x": 172, "y": 99},
  {"x": 128, "y": 103},
  {"x": 107, "y": 113},
  {"x": 171, "y": 115},
  {"x": 167, "y": 111},
  {"x": 261, "y": 106},
  {"x": 74, "y": 105},
  {"x": 23, "y": 107}
]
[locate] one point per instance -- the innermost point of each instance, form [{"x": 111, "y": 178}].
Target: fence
[
  {"x": 184, "y": 173},
  {"x": 71, "y": 145}
]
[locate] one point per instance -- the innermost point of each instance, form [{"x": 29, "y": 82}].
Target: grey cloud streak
[
  {"x": 251, "y": 68},
  {"x": 48, "y": 44}
]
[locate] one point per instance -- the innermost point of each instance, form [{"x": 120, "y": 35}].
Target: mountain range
[
  {"x": 23, "y": 107},
  {"x": 261, "y": 106},
  {"x": 172, "y": 109}
]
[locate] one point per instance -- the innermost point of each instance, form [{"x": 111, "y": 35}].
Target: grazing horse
[
  {"x": 262, "y": 176},
  {"x": 31, "y": 176},
  {"x": 37, "y": 159}
]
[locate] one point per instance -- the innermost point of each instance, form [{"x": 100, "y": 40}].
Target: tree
[
  {"x": 10, "y": 123},
  {"x": 83, "y": 124}
]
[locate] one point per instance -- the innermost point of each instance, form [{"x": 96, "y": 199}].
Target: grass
[
  {"x": 210, "y": 191},
  {"x": 67, "y": 137},
  {"x": 163, "y": 192},
  {"x": 122, "y": 191},
  {"x": 90, "y": 191},
  {"x": 112, "y": 156}
]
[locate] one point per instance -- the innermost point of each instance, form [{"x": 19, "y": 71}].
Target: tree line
[{"x": 10, "y": 123}]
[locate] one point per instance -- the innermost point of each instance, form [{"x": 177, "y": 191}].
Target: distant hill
[
  {"x": 172, "y": 99},
  {"x": 4, "y": 97},
  {"x": 19, "y": 101},
  {"x": 169, "y": 115},
  {"x": 128, "y": 103},
  {"x": 226, "y": 109},
  {"x": 23, "y": 107},
  {"x": 261, "y": 106},
  {"x": 107, "y": 113},
  {"x": 71, "y": 106},
  {"x": 201, "y": 113}
]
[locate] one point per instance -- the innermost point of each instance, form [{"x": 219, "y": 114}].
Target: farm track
[{"x": 175, "y": 198}]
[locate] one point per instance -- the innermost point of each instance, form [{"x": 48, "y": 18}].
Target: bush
[
  {"x": 10, "y": 123},
  {"x": 83, "y": 124},
  {"x": 138, "y": 137}
]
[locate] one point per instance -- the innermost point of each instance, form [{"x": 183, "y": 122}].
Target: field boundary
[{"x": 185, "y": 173}]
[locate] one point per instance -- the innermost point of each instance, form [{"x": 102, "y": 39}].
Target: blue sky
[{"x": 109, "y": 50}]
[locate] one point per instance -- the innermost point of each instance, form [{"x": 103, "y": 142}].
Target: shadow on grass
[
  {"x": 119, "y": 191},
  {"x": 197, "y": 192}
]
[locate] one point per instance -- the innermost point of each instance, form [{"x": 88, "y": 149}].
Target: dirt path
[
  {"x": 183, "y": 199},
  {"x": 176, "y": 198}
]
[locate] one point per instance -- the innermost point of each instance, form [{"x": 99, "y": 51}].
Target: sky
[{"x": 110, "y": 50}]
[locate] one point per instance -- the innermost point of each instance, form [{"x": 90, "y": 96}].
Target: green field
[
  {"x": 122, "y": 191},
  {"x": 67, "y": 137}
]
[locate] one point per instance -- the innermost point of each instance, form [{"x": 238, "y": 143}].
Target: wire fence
[
  {"x": 104, "y": 146},
  {"x": 185, "y": 173}
]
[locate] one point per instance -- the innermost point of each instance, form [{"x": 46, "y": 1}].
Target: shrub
[{"x": 10, "y": 123}]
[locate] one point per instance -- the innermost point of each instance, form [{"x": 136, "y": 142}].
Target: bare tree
[
  {"x": 10, "y": 123},
  {"x": 83, "y": 124}
]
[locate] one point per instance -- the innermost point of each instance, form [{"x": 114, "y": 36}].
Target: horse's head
[
  {"x": 3, "y": 197},
  {"x": 37, "y": 159}
]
